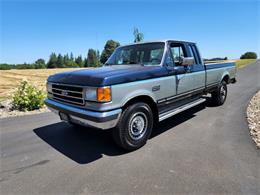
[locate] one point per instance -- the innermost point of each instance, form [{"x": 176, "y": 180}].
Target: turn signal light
[{"x": 104, "y": 94}]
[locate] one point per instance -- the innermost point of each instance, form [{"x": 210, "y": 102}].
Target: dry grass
[
  {"x": 244, "y": 62},
  {"x": 10, "y": 79},
  {"x": 239, "y": 63}
]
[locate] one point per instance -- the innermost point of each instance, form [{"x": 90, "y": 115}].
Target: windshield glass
[{"x": 144, "y": 54}]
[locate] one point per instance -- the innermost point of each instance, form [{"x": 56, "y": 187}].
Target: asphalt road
[{"x": 203, "y": 150}]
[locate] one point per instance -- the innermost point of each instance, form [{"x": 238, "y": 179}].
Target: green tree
[
  {"x": 40, "y": 63},
  {"x": 79, "y": 61},
  {"x": 85, "y": 62},
  {"x": 98, "y": 58},
  {"x": 110, "y": 46},
  {"x": 249, "y": 55},
  {"x": 52, "y": 63},
  {"x": 138, "y": 36},
  {"x": 60, "y": 61},
  {"x": 66, "y": 60},
  {"x": 71, "y": 56},
  {"x": 92, "y": 58}
]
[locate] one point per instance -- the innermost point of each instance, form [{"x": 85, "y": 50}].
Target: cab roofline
[{"x": 158, "y": 41}]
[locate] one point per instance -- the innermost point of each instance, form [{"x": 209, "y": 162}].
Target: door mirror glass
[{"x": 186, "y": 61}]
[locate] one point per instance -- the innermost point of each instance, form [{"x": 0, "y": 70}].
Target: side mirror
[{"x": 186, "y": 61}]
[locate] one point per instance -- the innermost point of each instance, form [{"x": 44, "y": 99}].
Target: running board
[{"x": 180, "y": 109}]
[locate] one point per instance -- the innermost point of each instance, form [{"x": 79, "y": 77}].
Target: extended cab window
[
  {"x": 178, "y": 52},
  {"x": 193, "y": 54},
  {"x": 145, "y": 54}
]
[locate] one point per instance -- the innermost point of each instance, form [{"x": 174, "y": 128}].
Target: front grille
[{"x": 69, "y": 94}]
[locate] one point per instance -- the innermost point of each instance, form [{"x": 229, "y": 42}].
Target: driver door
[{"x": 183, "y": 81}]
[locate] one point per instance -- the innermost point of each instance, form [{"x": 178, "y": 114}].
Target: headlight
[
  {"x": 101, "y": 94},
  {"x": 49, "y": 87},
  {"x": 91, "y": 94}
]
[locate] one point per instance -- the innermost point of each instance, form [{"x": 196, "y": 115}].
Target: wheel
[
  {"x": 134, "y": 126},
  {"x": 219, "y": 96}
]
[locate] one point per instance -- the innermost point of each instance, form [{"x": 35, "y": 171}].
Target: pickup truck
[{"x": 139, "y": 85}]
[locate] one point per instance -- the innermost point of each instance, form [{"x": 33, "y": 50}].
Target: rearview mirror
[{"x": 186, "y": 61}]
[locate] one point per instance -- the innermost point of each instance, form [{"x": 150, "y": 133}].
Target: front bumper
[{"x": 101, "y": 120}]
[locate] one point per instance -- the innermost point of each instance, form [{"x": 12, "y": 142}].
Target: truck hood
[{"x": 109, "y": 75}]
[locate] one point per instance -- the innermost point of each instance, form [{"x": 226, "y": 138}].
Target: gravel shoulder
[
  {"x": 253, "y": 118},
  {"x": 6, "y": 110}
]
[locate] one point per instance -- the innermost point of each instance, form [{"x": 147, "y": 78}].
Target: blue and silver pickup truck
[{"x": 139, "y": 85}]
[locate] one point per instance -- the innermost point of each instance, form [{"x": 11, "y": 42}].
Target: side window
[
  {"x": 178, "y": 52},
  {"x": 195, "y": 50},
  {"x": 193, "y": 54},
  {"x": 169, "y": 60}
]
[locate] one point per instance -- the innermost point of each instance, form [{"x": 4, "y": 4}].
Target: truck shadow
[{"x": 84, "y": 145}]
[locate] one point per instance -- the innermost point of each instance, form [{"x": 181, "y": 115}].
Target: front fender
[{"x": 138, "y": 93}]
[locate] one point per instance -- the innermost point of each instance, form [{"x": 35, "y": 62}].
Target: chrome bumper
[{"x": 101, "y": 120}]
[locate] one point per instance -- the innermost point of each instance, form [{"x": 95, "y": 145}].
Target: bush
[
  {"x": 249, "y": 55},
  {"x": 27, "y": 97}
]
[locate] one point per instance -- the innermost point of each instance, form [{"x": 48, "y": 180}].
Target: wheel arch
[
  {"x": 226, "y": 77},
  {"x": 146, "y": 99}
]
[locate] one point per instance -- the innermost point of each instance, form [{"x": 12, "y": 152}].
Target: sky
[{"x": 33, "y": 29}]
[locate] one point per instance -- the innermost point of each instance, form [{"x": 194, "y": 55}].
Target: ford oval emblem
[{"x": 64, "y": 92}]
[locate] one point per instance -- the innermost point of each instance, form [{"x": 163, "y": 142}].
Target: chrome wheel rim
[
  {"x": 223, "y": 93},
  {"x": 138, "y": 125}
]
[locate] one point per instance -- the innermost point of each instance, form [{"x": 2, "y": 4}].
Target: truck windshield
[{"x": 144, "y": 54}]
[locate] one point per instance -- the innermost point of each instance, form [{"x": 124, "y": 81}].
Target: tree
[
  {"x": 79, "y": 61},
  {"x": 110, "y": 46},
  {"x": 71, "y": 56},
  {"x": 60, "y": 61},
  {"x": 66, "y": 60},
  {"x": 249, "y": 55},
  {"x": 138, "y": 36},
  {"x": 52, "y": 63},
  {"x": 92, "y": 58},
  {"x": 98, "y": 57},
  {"x": 85, "y": 62},
  {"x": 40, "y": 63}
]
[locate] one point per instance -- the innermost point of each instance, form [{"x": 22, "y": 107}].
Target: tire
[
  {"x": 220, "y": 95},
  {"x": 134, "y": 127}
]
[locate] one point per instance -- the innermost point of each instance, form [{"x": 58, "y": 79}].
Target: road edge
[{"x": 252, "y": 116}]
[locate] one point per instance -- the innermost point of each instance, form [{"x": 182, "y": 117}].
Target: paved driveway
[{"x": 203, "y": 150}]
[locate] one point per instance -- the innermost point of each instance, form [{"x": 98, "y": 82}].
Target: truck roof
[{"x": 154, "y": 41}]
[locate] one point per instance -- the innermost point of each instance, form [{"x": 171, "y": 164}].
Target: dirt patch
[
  {"x": 6, "y": 110},
  {"x": 253, "y": 118}
]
